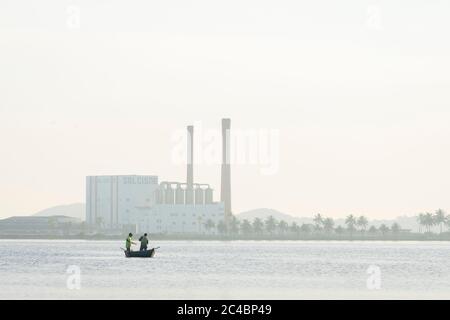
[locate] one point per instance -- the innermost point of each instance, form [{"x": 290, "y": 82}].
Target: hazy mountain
[
  {"x": 75, "y": 210},
  {"x": 264, "y": 213},
  {"x": 406, "y": 222}
]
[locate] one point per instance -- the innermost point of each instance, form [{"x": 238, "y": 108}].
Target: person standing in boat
[
  {"x": 144, "y": 242},
  {"x": 129, "y": 242}
]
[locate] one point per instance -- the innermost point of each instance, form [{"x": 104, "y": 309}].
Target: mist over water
[{"x": 37, "y": 269}]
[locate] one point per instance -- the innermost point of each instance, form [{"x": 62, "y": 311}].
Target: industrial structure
[
  {"x": 225, "y": 191},
  {"x": 141, "y": 203}
]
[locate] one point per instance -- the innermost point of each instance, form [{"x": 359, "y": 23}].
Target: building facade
[
  {"x": 40, "y": 226},
  {"x": 112, "y": 201},
  {"x": 142, "y": 204},
  {"x": 176, "y": 218}
]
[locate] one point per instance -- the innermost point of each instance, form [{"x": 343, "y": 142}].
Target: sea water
[{"x": 76, "y": 269}]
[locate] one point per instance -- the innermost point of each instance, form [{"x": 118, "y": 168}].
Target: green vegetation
[
  {"x": 325, "y": 228},
  {"x": 432, "y": 226},
  {"x": 428, "y": 220}
]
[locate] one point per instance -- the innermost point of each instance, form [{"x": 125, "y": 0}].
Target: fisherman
[
  {"x": 129, "y": 241},
  {"x": 144, "y": 242}
]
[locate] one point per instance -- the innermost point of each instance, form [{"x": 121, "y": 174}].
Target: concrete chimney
[
  {"x": 225, "y": 192},
  {"x": 190, "y": 156}
]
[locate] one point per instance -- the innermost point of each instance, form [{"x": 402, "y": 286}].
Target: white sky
[{"x": 359, "y": 91}]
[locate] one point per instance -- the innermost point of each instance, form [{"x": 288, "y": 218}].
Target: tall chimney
[
  {"x": 190, "y": 157},
  {"x": 225, "y": 192}
]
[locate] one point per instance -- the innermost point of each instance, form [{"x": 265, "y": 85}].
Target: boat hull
[{"x": 140, "y": 254}]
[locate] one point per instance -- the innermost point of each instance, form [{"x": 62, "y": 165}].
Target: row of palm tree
[
  {"x": 428, "y": 220},
  {"x": 353, "y": 224},
  {"x": 321, "y": 225}
]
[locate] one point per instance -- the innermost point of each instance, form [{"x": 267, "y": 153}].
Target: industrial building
[
  {"x": 39, "y": 226},
  {"x": 141, "y": 203}
]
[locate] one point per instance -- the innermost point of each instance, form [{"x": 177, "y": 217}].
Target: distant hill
[
  {"x": 406, "y": 222},
  {"x": 75, "y": 210},
  {"x": 264, "y": 213}
]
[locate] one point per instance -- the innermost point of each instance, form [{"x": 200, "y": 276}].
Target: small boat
[{"x": 140, "y": 254}]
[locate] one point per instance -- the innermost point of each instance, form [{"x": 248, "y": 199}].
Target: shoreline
[{"x": 410, "y": 237}]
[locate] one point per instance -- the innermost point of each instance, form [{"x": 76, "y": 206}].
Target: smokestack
[
  {"x": 190, "y": 157},
  {"x": 225, "y": 192}
]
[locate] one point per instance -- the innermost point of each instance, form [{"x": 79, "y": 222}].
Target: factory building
[
  {"x": 113, "y": 201},
  {"x": 140, "y": 203}
]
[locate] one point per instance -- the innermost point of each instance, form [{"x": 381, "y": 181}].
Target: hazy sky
[{"x": 359, "y": 92}]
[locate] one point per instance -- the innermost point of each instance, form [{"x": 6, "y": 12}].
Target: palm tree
[
  {"x": 305, "y": 228},
  {"x": 222, "y": 227},
  {"x": 395, "y": 228},
  {"x": 362, "y": 223},
  {"x": 234, "y": 225},
  {"x": 258, "y": 226},
  {"x": 246, "y": 227},
  {"x": 318, "y": 222},
  {"x": 339, "y": 230},
  {"x": 447, "y": 222},
  {"x": 209, "y": 225},
  {"x": 421, "y": 221},
  {"x": 294, "y": 228},
  {"x": 283, "y": 226},
  {"x": 429, "y": 221},
  {"x": 328, "y": 225},
  {"x": 270, "y": 224},
  {"x": 373, "y": 230},
  {"x": 439, "y": 218},
  {"x": 383, "y": 229},
  {"x": 317, "y": 228},
  {"x": 350, "y": 221}
]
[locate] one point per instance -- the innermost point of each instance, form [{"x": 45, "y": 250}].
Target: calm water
[{"x": 36, "y": 269}]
